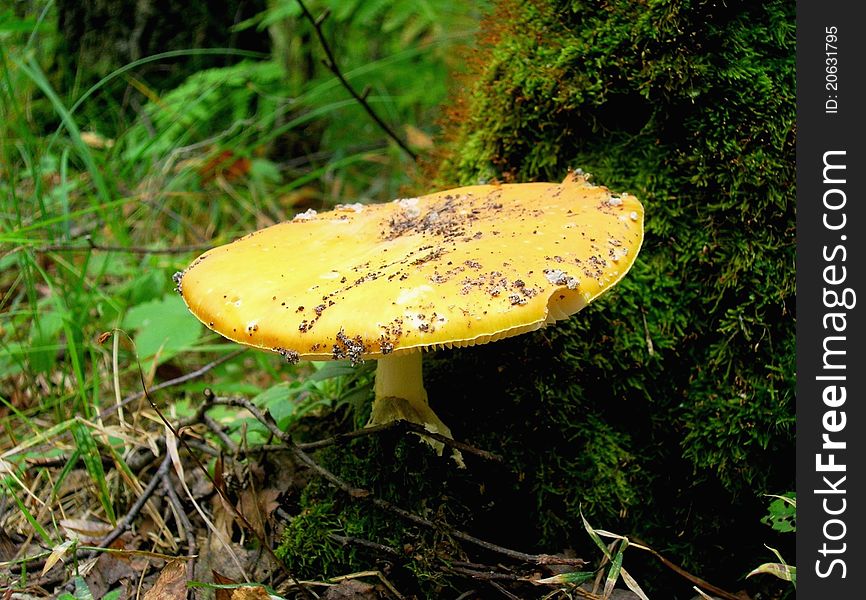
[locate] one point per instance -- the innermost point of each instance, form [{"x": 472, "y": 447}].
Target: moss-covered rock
[{"x": 665, "y": 410}]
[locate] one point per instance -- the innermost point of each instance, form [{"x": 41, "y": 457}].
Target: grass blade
[
  {"x": 32, "y": 70},
  {"x": 36, "y": 525},
  {"x": 56, "y": 554},
  {"x": 614, "y": 571},
  {"x": 93, "y": 463},
  {"x": 633, "y": 585}
]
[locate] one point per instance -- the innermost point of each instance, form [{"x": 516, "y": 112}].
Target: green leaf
[
  {"x": 11, "y": 361},
  {"x": 67, "y": 469},
  {"x": 574, "y": 578},
  {"x": 277, "y": 400},
  {"x": 780, "y": 570},
  {"x": 782, "y": 513},
  {"x": 265, "y": 170},
  {"x": 595, "y": 537},
  {"x": 82, "y": 592},
  {"x": 44, "y": 332},
  {"x": 86, "y": 445},
  {"x": 330, "y": 370},
  {"x": 9, "y": 23},
  {"x": 163, "y": 326},
  {"x": 37, "y": 527},
  {"x": 614, "y": 571}
]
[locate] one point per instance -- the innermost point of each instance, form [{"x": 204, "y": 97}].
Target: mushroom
[{"x": 454, "y": 268}]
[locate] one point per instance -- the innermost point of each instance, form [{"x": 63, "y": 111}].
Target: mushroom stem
[
  {"x": 400, "y": 394},
  {"x": 401, "y": 377}
]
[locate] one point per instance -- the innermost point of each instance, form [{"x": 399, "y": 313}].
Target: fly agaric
[{"x": 455, "y": 268}]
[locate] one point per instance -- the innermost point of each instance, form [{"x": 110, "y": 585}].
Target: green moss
[
  {"x": 308, "y": 549},
  {"x": 689, "y": 363},
  {"x": 394, "y": 467}
]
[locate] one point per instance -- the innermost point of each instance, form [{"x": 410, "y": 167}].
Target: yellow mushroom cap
[{"x": 454, "y": 268}]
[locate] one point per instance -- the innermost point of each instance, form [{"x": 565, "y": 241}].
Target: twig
[
  {"x": 183, "y": 520},
  {"x": 139, "y": 504},
  {"x": 503, "y": 591},
  {"x": 127, "y": 249},
  {"x": 131, "y": 515},
  {"x": 342, "y": 438},
  {"x": 693, "y": 578},
  {"x": 538, "y": 559},
  {"x": 236, "y": 511},
  {"x": 488, "y": 575},
  {"x": 218, "y": 431},
  {"x": 331, "y": 65},
  {"x": 407, "y": 425},
  {"x": 355, "y": 541}
]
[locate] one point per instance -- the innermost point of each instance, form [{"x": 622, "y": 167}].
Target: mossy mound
[
  {"x": 665, "y": 410},
  {"x": 691, "y": 107}
]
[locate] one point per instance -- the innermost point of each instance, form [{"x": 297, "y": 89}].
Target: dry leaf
[
  {"x": 85, "y": 530},
  {"x": 222, "y": 593},
  {"x": 245, "y": 592},
  {"x": 8, "y": 546},
  {"x": 250, "y": 592},
  {"x": 351, "y": 589},
  {"x": 780, "y": 570},
  {"x": 171, "y": 449},
  {"x": 56, "y": 554},
  {"x": 225, "y": 164},
  {"x": 171, "y": 584},
  {"x": 114, "y": 568},
  {"x": 256, "y": 507},
  {"x": 417, "y": 138},
  {"x": 94, "y": 140}
]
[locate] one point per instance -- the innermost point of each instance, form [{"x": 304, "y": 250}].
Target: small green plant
[
  {"x": 782, "y": 513},
  {"x": 781, "y": 516}
]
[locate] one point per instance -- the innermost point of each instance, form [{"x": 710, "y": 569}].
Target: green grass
[{"x": 74, "y": 182}]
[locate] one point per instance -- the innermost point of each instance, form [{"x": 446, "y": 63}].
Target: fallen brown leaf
[
  {"x": 85, "y": 530},
  {"x": 112, "y": 569},
  {"x": 222, "y": 593},
  {"x": 256, "y": 507},
  {"x": 250, "y": 592},
  {"x": 418, "y": 138},
  {"x": 351, "y": 589},
  {"x": 171, "y": 584}
]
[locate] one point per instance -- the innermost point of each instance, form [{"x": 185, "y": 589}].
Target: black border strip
[{"x": 831, "y": 261}]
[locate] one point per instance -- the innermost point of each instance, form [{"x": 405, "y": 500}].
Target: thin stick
[
  {"x": 218, "y": 431},
  {"x": 331, "y": 65},
  {"x": 503, "y": 591},
  {"x": 488, "y": 575},
  {"x": 355, "y": 541},
  {"x": 409, "y": 426},
  {"x": 92, "y": 246},
  {"x": 342, "y": 438},
  {"x": 237, "y": 512},
  {"x": 139, "y": 504},
  {"x": 693, "y": 578},
  {"x": 184, "y": 522}
]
